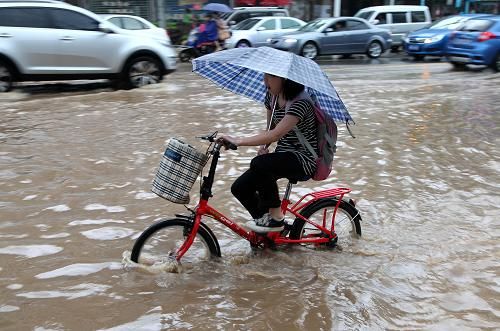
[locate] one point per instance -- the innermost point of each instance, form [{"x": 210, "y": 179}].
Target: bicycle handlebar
[{"x": 223, "y": 142}]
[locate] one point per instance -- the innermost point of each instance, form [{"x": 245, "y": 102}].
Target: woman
[{"x": 256, "y": 189}]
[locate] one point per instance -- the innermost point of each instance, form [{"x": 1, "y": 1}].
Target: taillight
[{"x": 486, "y": 36}]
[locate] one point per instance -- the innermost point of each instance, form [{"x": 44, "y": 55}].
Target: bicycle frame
[{"x": 204, "y": 209}]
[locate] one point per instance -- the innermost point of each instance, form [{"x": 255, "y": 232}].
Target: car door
[
  {"x": 399, "y": 22},
  {"x": 82, "y": 47},
  {"x": 25, "y": 35},
  {"x": 333, "y": 38},
  {"x": 357, "y": 34},
  {"x": 264, "y": 30}
]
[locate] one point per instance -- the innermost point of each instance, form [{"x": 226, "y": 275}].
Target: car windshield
[
  {"x": 365, "y": 15},
  {"x": 246, "y": 24},
  {"x": 476, "y": 25},
  {"x": 314, "y": 25},
  {"x": 450, "y": 23}
]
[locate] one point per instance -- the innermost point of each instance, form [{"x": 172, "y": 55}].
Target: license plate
[
  {"x": 461, "y": 41},
  {"x": 413, "y": 47}
]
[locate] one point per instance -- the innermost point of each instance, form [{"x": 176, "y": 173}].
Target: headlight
[
  {"x": 290, "y": 41},
  {"x": 433, "y": 39}
]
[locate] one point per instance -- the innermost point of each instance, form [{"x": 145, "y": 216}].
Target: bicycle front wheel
[
  {"x": 347, "y": 221},
  {"x": 160, "y": 242}
]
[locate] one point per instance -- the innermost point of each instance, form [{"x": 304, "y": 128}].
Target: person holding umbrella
[
  {"x": 286, "y": 84},
  {"x": 256, "y": 189}
]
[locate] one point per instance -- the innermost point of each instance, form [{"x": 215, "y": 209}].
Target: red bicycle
[{"x": 320, "y": 219}]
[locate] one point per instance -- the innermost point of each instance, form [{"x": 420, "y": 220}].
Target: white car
[
  {"x": 138, "y": 26},
  {"x": 258, "y": 31},
  {"x": 52, "y": 40}
]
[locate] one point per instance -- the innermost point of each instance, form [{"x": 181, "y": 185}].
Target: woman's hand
[
  {"x": 262, "y": 150},
  {"x": 227, "y": 141}
]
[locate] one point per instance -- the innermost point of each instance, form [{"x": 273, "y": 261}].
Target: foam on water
[
  {"x": 31, "y": 251},
  {"x": 108, "y": 233}
]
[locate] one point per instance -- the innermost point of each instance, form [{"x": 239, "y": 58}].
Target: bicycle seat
[{"x": 294, "y": 180}]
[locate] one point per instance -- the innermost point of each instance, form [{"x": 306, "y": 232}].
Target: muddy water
[{"x": 76, "y": 169}]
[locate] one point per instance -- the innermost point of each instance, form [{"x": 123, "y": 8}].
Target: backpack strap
[{"x": 302, "y": 96}]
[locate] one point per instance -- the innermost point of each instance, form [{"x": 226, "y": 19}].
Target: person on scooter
[{"x": 207, "y": 34}]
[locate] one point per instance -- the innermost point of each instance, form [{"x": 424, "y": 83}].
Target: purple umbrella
[{"x": 217, "y": 7}]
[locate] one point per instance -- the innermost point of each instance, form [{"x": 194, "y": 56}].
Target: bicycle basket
[{"x": 179, "y": 167}]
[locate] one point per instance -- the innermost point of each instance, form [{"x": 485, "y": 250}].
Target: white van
[{"x": 400, "y": 20}]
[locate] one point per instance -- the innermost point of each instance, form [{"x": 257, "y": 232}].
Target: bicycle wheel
[
  {"x": 160, "y": 242},
  {"x": 347, "y": 221}
]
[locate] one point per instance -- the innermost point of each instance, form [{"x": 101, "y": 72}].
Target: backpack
[{"x": 327, "y": 138}]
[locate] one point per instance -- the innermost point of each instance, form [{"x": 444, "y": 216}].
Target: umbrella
[
  {"x": 217, "y": 7},
  {"x": 241, "y": 70}
]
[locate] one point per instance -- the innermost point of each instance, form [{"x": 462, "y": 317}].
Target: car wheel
[
  {"x": 374, "y": 49},
  {"x": 243, "y": 44},
  {"x": 6, "y": 77},
  {"x": 309, "y": 50},
  {"x": 458, "y": 65},
  {"x": 185, "y": 55},
  {"x": 496, "y": 63},
  {"x": 140, "y": 71},
  {"x": 418, "y": 57}
]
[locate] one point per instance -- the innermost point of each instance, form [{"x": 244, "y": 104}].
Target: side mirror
[
  {"x": 261, "y": 28},
  {"x": 231, "y": 22},
  {"x": 105, "y": 28},
  {"x": 375, "y": 22},
  {"x": 327, "y": 30}
]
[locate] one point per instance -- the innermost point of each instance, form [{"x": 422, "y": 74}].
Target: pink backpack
[{"x": 327, "y": 138}]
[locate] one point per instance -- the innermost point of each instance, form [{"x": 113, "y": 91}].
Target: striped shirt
[{"x": 302, "y": 109}]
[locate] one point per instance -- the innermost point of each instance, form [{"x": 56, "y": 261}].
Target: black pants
[{"x": 257, "y": 190}]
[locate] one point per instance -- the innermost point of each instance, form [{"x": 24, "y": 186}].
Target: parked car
[
  {"x": 52, "y": 40},
  {"x": 138, "y": 26},
  {"x": 476, "y": 42},
  {"x": 341, "y": 35},
  {"x": 240, "y": 14},
  {"x": 400, "y": 19},
  {"x": 432, "y": 40},
  {"x": 255, "y": 32}
]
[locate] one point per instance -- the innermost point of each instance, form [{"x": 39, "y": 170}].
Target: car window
[
  {"x": 246, "y": 24},
  {"x": 70, "y": 20},
  {"x": 287, "y": 23},
  {"x": 269, "y": 25},
  {"x": 117, "y": 21},
  {"x": 314, "y": 25},
  {"x": 355, "y": 25},
  {"x": 366, "y": 14},
  {"x": 476, "y": 25},
  {"x": 398, "y": 17},
  {"x": 418, "y": 16},
  {"x": 25, "y": 17},
  {"x": 133, "y": 24},
  {"x": 240, "y": 17},
  {"x": 382, "y": 18},
  {"x": 338, "y": 26},
  {"x": 450, "y": 23}
]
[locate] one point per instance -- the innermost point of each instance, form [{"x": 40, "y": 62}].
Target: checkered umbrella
[{"x": 241, "y": 70}]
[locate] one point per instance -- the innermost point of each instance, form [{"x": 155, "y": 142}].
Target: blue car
[
  {"x": 432, "y": 39},
  {"x": 476, "y": 42}
]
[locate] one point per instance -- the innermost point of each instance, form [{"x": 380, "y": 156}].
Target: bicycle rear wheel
[
  {"x": 160, "y": 242},
  {"x": 347, "y": 221}
]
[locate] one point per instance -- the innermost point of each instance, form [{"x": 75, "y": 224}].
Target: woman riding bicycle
[{"x": 257, "y": 189}]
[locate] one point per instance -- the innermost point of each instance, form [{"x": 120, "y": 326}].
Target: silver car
[
  {"x": 257, "y": 31},
  {"x": 52, "y": 40},
  {"x": 340, "y": 35}
]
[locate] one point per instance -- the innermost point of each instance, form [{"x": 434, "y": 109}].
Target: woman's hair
[{"x": 291, "y": 89}]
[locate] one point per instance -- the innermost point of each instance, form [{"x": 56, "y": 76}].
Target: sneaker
[{"x": 266, "y": 224}]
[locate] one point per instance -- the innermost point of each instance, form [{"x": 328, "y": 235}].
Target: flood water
[{"x": 75, "y": 174}]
